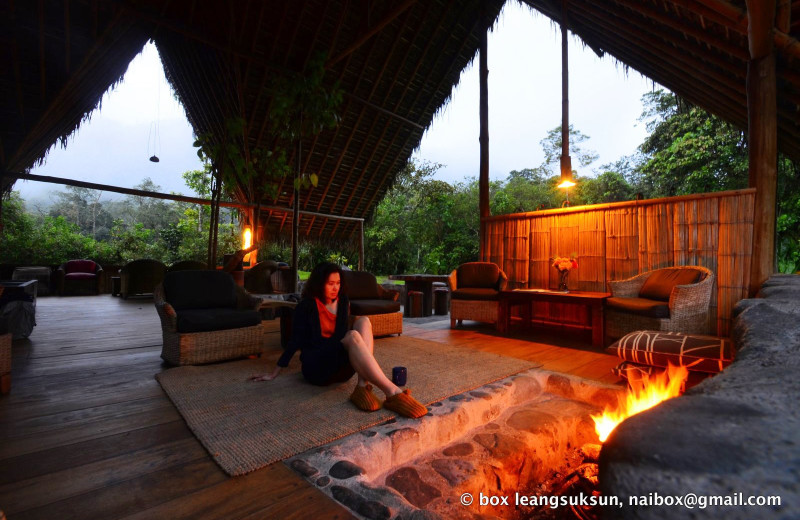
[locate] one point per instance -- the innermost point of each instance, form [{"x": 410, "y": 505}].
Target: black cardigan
[{"x": 307, "y": 333}]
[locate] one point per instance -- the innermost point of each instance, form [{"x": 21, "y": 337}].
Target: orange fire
[{"x": 644, "y": 395}]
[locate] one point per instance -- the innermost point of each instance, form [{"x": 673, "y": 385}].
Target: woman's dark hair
[{"x": 315, "y": 286}]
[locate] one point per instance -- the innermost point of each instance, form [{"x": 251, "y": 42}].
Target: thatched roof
[
  {"x": 397, "y": 63},
  {"x": 696, "y": 48}
]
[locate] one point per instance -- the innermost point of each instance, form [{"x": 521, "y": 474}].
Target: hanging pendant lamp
[{"x": 566, "y": 161}]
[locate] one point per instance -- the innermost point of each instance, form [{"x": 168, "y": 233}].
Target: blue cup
[{"x": 399, "y": 376}]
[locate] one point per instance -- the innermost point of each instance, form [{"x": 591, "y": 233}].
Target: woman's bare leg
[{"x": 359, "y": 345}]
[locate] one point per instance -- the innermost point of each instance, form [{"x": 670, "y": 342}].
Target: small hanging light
[{"x": 154, "y": 158}]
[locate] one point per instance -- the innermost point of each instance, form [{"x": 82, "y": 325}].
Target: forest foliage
[{"x": 422, "y": 224}]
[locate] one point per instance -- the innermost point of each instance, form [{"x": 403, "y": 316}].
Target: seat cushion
[
  {"x": 199, "y": 289},
  {"x": 694, "y": 351},
  {"x": 472, "y": 293},
  {"x": 80, "y": 276},
  {"x": 659, "y": 284},
  {"x": 640, "y": 306},
  {"x": 360, "y": 285},
  {"x": 366, "y": 307},
  {"x": 220, "y": 318},
  {"x": 482, "y": 275},
  {"x": 80, "y": 266}
]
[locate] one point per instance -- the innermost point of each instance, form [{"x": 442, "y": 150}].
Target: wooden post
[
  {"x": 296, "y": 217},
  {"x": 483, "y": 182},
  {"x": 361, "y": 259},
  {"x": 762, "y": 128}
]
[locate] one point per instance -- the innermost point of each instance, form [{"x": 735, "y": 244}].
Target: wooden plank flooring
[{"x": 87, "y": 432}]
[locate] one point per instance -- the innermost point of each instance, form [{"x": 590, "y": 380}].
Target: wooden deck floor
[{"x": 87, "y": 432}]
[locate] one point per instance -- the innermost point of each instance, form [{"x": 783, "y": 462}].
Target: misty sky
[{"x": 141, "y": 117}]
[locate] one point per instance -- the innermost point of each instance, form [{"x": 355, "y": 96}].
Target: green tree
[{"x": 688, "y": 149}]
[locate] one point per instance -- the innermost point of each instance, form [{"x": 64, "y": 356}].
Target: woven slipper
[
  {"x": 364, "y": 399},
  {"x": 405, "y": 405}
]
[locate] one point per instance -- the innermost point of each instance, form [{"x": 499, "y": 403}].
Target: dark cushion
[
  {"x": 694, "y": 351},
  {"x": 220, "y": 318},
  {"x": 478, "y": 274},
  {"x": 199, "y": 289},
  {"x": 640, "y": 306},
  {"x": 80, "y": 266},
  {"x": 659, "y": 284},
  {"x": 475, "y": 294},
  {"x": 80, "y": 276},
  {"x": 186, "y": 265},
  {"x": 364, "y": 307},
  {"x": 360, "y": 285}
]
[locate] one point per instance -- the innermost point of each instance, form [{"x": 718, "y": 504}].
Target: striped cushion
[{"x": 697, "y": 353}]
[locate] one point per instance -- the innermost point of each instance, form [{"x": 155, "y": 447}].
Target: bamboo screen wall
[{"x": 619, "y": 240}]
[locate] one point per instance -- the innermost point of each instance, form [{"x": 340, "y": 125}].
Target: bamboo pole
[{"x": 483, "y": 183}]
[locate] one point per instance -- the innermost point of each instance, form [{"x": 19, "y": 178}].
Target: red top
[{"x": 327, "y": 320}]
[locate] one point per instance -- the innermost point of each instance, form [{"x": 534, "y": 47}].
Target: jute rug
[{"x": 247, "y": 425}]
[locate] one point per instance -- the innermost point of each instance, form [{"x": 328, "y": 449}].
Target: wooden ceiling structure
[{"x": 397, "y": 63}]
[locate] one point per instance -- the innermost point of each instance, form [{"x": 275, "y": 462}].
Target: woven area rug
[{"x": 247, "y": 425}]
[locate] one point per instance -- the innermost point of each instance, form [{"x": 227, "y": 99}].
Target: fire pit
[
  {"x": 728, "y": 447},
  {"x": 473, "y": 452}
]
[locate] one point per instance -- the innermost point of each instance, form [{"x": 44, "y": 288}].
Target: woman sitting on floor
[{"x": 330, "y": 353}]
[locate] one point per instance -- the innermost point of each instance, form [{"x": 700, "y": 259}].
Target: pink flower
[{"x": 563, "y": 263}]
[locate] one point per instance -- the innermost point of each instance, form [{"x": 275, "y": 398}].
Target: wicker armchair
[
  {"x": 206, "y": 317},
  {"x": 257, "y": 278},
  {"x": 140, "y": 277},
  {"x": 368, "y": 298},
  {"x": 673, "y": 299},
  {"x": 475, "y": 291},
  {"x": 187, "y": 265},
  {"x": 79, "y": 277}
]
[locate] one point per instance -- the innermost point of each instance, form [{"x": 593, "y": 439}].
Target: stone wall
[{"x": 734, "y": 436}]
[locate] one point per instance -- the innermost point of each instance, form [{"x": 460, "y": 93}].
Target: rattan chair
[
  {"x": 667, "y": 303},
  {"x": 212, "y": 294},
  {"x": 368, "y": 298},
  {"x": 140, "y": 277},
  {"x": 257, "y": 279},
  {"x": 474, "y": 292},
  {"x": 187, "y": 265}
]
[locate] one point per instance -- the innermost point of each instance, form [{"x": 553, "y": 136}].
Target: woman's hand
[{"x": 268, "y": 376}]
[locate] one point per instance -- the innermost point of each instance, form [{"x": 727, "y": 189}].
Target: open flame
[{"x": 642, "y": 396}]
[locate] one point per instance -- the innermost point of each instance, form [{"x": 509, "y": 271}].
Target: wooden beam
[
  {"x": 166, "y": 196},
  {"x": 762, "y": 126},
  {"x": 783, "y": 16},
  {"x": 760, "y": 22},
  {"x": 370, "y": 33},
  {"x": 483, "y": 139}
]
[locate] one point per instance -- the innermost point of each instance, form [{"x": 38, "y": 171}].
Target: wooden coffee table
[{"x": 595, "y": 301}]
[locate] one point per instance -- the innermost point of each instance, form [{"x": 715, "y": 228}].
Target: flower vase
[{"x": 563, "y": 278}]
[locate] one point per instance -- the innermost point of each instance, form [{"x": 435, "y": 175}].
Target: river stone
[
  {"x": 531, "y": 421},
  {"x": 303, "y": 467},
  {"x": 366, "y": 508},
  {"x": 560, "y": 385},
  {"x": 480, "y": 395},
  {"x": 455, "y": 471},
  {"x": 500, "y": 446},
  {"x": 459, "y": 450},
  {"x": 408, "y": 483},
  {"x": 345, "y": 469},
  {"x": 323, "y": 481}
]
